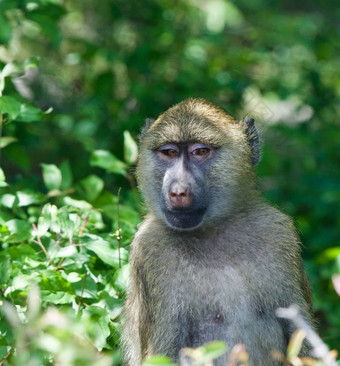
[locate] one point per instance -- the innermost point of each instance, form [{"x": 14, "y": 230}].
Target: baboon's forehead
[{"x": 200, "y": 124}]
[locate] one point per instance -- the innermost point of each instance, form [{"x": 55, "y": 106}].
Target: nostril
[
  {"x": 178, "y": 194},
  {"x": 180, "y": 199}
]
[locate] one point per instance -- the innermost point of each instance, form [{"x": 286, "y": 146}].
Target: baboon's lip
[
  {"x": 184, "y": 218},
  {"x": 180, "y": 210}
]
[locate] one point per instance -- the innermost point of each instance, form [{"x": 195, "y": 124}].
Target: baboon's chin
[{"x": 183, "y": 219}]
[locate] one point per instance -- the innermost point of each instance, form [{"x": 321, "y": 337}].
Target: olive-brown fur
[{"x": 223, "y": 279}]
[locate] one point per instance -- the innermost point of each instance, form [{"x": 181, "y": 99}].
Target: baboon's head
[{"x": 196, "y": 164}]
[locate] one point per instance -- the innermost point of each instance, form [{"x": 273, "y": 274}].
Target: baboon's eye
[
  {"x": 201, "y": 151},
  {"x": 169, "y": 152}
]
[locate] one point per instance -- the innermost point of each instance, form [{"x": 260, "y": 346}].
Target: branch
[{"x": 320, "y": 349}]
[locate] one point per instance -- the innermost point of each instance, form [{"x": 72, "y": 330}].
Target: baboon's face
[
  {"x": 184, "y": 195},
  {"x": 194, "y": 165}
]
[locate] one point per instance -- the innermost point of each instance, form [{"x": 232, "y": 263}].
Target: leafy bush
[
  {"x": 65, "y": 248},
  {"x": 76, "y": 77}
]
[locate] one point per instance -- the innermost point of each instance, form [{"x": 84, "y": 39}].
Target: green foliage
[
  {"x": 76, "y": 81},
  {"x": 67, "y": 255}
]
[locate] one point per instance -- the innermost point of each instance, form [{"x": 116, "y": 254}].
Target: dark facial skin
[{"x": 184, "y": 194}]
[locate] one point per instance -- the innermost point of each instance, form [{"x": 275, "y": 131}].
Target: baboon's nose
[{"x": 179, "y": 196}]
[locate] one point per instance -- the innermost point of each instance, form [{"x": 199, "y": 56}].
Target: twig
[
  {"x": 320, "y": 349},
  {"x": 1, "y": 123},
  {"x": 60, "y": 262},
  {"x": 39, "y": 242},
  {"x": 5, "y": 358},
  {"x": 133, "y": 187},
  {"x": 84, "y": 226},
  {"x": 118, "y": 236},
  {"x": 82, "y": 292}
]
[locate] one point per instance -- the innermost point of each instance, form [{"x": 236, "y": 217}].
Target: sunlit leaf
[
  {"x": 104, "y": 159},
  {"x": 10, "y": 106},
  {"x": 159, "y": 360},
  {"x": 213, "y": 350},
  {"x": 17, "y": 68},
  {"x": 26, "y": 198},
  {"x": 19, "y": 230},
  {"x": 295, "y": 344},
  {"x": 2, "y": 179},
  {"x": 52, "y": 176},
  {"x": 77, "y": 203},
  {"x": 130, "y": 148},
  {"x": 4, "y": 141},
  {"x": 104, "y": 250},
  {"x": 122, "y": 277}
]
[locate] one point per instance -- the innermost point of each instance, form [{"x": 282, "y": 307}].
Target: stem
[
  {"x": 320, "y": 349},
  {"x": 39, "y": 242},
  {"x": 84, "y": 226},
  {"x": 82, "y": 292},
  {"x": 1, "y": 123},
  {"x": 118, "y": 228},
  {"x": 5, "y": 358}
]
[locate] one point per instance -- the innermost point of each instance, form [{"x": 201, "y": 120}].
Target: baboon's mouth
[{"x": 185, "y": 219}]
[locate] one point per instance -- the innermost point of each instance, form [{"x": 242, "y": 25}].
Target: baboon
[{"x": 212, "y": 260}]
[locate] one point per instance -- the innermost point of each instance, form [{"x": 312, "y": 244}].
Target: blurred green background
[{"x": 104, "y": 66}]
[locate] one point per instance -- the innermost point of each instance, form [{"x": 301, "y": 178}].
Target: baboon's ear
[
  {"x": 148, "y": 123},
  {"x": 253, "y": 139}
]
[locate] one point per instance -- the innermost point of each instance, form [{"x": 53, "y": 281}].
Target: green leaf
[
  {"x": 2, "y": 179},
  {"x": 328, "y": 255},
  {"x": 46, "y": 23},
  {"x": 81, "y": 204},
  {"x": 21, "y": 281},
  {"x": 52, "y": 176},
  {"x": 27, "y": 198},
  {"x": 47, "y": 219},
  {"x": 89, "y": 290},
  {"x": 19, "y": 230},
  {"x": 73, "y": 277},
  {"x": 9, "y": 200},
  {"x": 69, "y": 251},
  {"x": 121, "y": 278},
  {"x": 159, "y": 360},
  {"x": 4, "y": 268},
  {"x": 66, "y": 174},
  {"x": 212, "y": 350},
  {"x": 17, "y": 68},
  {"x": 66, "y": 224},
  {"x": 104, "y": 159},
  {"x": 28, "y": 113},
  {"x": 57, "y": 297},
  {"x": 104, "y": 251},
  {"x": 10, "y": 106},
  {"x": 4, "y": 141},
  {"x": 130, "y": 148},
  {"x": 4, "y": 349},
  {"x": 5, "y": 30},
  {"x": 92, "y": 186},
  {"x": 21, "y": 250},
  {"x": 22, "y": 198},
  {"x": 103, "y": 332}
]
